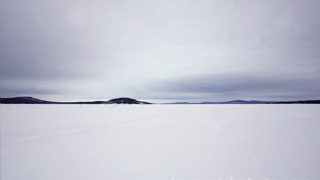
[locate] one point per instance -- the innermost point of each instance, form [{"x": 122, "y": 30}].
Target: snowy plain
[{"x": 160, "y": 142}]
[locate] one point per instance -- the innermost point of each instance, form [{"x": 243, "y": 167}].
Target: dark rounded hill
[
  {"x": 125, "y": 100},
  {"x": 23, "y": 100}
]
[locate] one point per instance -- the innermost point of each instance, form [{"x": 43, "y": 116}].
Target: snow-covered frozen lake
[{"x": 160, "y": 142}]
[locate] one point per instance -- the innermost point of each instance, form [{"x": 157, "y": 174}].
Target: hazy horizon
[
  {"x": 160, "y": 51},
  {"x": 170, "y": 101}
]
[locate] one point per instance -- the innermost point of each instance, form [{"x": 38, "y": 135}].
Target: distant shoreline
[{"x": 31, "y": 100}]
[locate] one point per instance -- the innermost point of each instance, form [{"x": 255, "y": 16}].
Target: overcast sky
[{"x": 160, "y": 50}]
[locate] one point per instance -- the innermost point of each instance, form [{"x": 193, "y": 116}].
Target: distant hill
[
  {"x": 254, "y": 102},
  {"x": 299, "y": 102},
  {"x": 31, "y": 100},
  {"x": 24, "y": 100},
  {"x": 228, "y": 102},
  {"x": 125, "y": 101},
  {"x": 239, "y": 102}
]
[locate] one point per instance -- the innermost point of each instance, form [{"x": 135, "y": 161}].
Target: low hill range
[
  {"x": 125, "y": 100},
  {"x": 229, "y": 102},
  {"x": 31, "y": 100},
  {"x": 254, "y": 102}
]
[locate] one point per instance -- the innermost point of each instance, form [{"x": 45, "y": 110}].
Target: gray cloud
[
  {"x": 189, "y": 49},
  {"x": 228, "y": 86}
]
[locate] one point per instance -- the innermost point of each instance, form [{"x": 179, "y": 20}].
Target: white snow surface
[{"x": 160, "y": 142}]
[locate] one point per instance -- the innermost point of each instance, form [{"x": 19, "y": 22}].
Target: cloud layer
[{"x": 217, "y": 50}]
